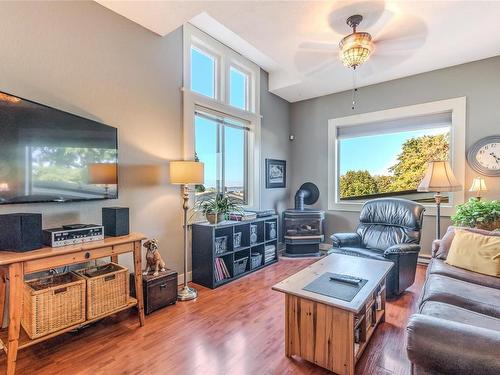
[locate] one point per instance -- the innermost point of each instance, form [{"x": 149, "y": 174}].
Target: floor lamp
[
  {"x": 439, "y": 178},
  {"x": 185, "y": 173}
]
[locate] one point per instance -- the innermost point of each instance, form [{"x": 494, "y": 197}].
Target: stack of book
[
  {"x": 263, "y": 213},
  {"x": 221, "y": 271},
  {"x": 269, "y": 253},
  {"x": 242, "y": 216}
]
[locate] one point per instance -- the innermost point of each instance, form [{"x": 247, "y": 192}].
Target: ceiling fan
[
  {"x": 393, "y": 44},
  {"x": 386, "y": 42}
]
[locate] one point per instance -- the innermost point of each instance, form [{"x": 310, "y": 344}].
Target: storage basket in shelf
[
  {"x": 240, "y": 266},
  {"x": 53, "y": 303},
  {"x": 256, "y": 260},
  {"x": 108, "y": 288}
]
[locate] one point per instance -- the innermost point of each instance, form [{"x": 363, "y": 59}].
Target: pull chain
[{"x": 354, "y": 88}]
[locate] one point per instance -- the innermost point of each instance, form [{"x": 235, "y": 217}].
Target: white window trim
[
  {"x": 457, "y": 107},
  {"x": 225, "y": 58}
]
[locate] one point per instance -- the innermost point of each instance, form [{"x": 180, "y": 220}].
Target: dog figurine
[{"x": 153, "y": 258}]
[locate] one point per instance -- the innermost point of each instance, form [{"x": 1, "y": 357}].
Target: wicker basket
[
  {"x": 255, "y": 260},
  {"x": 107, "y": 288},
  {"x": 53, "y": 303},
  {"x": 240, "y": 266}
]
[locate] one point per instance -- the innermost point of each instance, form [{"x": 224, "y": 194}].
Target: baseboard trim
[
  {"x": 424, "y": 259},
  {"x": 180, "y": 278}
]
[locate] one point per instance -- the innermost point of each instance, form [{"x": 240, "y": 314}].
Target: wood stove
[{"x": 303, "y": 227}]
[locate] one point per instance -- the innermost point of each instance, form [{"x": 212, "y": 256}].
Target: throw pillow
[
  {"x": 441, "y": 247},
  {"x": 475, "y": 252}
]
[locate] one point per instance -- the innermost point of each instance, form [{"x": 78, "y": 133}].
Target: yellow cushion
[{"x": 475, "y": 252}]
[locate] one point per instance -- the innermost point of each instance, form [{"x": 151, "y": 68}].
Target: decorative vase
[
  {"x": 214, "y": 218},
  {"x": 253, "y": 234}
]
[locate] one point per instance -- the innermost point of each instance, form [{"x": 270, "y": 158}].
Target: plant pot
[{"x": 214, "y": 218}]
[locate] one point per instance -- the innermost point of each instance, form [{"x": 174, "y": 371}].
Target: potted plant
[
  {"x": 479, "y": 214},
  {"x": 217, "y": 208}
]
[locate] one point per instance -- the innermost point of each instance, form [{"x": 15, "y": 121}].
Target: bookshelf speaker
[
  {"x": 20, "y": 232},
  {"x": 115, "y": 221}
]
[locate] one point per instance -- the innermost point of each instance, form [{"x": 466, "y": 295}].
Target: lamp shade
[
  {"x": 186, "y": 172},
  {"x": 478, "y": 185},
  {"x": 439, "y": 177},
  {"x": 102, "y": 173},
  {"x": 355, "y": 49}
]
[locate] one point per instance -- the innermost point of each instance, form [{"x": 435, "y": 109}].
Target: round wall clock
[{"x": 484, "y": 156}]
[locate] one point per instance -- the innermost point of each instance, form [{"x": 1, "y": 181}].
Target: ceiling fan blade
[
  {"x": 400, "y": 44},
  {"x": 320, "y": 46},
  {"x": 378, "y": 63},
  {"x": 406, "y": 34},
  {"x": 382, "y": 22},
  {"x": 370, "y": 10}
]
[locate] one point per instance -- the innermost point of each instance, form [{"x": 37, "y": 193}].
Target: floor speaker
[
  {"x": 20, "y": 232},
  {"x": 115, "y": 221}
]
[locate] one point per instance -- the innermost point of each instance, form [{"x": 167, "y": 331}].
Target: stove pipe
[
  {"x": 308, "y": 194},
  {"x": 300, "y": 195}
]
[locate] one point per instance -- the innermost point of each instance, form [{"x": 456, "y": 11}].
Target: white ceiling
[{"x": 295, "y": 41}]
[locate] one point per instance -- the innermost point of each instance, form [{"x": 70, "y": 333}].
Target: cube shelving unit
[{"x": 205, "y": 254}]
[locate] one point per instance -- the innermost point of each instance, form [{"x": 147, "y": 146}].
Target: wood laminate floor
[{"x": 235, "y": 329}]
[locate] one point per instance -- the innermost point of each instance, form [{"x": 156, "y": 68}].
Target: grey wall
[
  {"x": 275, "y": 143},
  {"x": 478, "y": 81},
  {"x": 82, "y": 58}
]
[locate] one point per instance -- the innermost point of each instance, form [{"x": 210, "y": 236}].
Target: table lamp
[
  {"x": 478, "y": 186},
  {"x": 439, "y": 178},
  {"x": 185, "y": 173},
  {"x": 103, "y": 174}
]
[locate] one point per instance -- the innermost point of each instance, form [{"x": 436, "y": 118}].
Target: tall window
[
  {"x": 221, "y": 117},
  {"x": 221, "y": 143}
]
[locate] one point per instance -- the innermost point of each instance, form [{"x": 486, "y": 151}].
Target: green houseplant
[
  {"x": 478, "y": 213},
  {"x": 216, "y": 208}
]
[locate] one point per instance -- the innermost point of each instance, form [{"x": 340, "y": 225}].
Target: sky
[
  {"x": 377, "y": 153},
  {"x": 202, "y": 81}
]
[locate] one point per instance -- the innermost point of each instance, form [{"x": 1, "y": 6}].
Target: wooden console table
[
  {"x": 322, "y": 329},
  {"x": 14, "y": 266}
]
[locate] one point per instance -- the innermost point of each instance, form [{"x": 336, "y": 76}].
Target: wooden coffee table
[{"x": 330, "y": 332}]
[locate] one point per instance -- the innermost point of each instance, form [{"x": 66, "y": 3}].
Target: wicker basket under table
[
  {"x": 53, "y": 303},
  {"x": 108, "y": 288}
]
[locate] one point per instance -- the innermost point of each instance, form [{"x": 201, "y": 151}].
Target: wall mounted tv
[{"x": 47, "y": 155}]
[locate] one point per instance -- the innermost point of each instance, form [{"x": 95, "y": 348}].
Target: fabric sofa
[
  {"x": 457, "y": 327},
  {"x": 389, "y": 229}
]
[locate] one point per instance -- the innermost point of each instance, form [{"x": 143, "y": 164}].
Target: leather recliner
[{"x": 389, "y": 229}]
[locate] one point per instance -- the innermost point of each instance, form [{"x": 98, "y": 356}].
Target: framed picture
[{"x": 275, "y": 173}]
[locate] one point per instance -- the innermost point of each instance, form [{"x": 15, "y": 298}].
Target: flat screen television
[{"x": 48, "y": 155}]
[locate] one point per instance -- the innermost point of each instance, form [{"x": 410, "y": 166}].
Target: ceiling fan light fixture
[{"x": 355, "y": 49}]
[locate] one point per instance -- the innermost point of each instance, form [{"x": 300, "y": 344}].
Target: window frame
[
  {"x": 457, "y": 107},
  {"x": 225, "y": 58}
]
